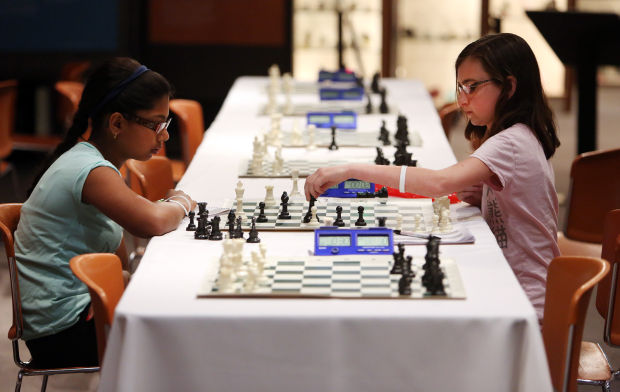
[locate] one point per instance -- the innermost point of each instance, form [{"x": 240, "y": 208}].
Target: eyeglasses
[
  {"x": 157, "y": 127},
  {"x": 469, "y": 89}
]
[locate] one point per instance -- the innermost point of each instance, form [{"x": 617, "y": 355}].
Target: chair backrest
[
  {"x": 448, "y": 114},
  {"x": 570, "y": 281},
  {"x": 190, "y": 124},
  {"x": 103, "y": 274},
  {"x": 608, "y": 288},
  {"x": 69, "y": 93},
  {"x": 8, "y": 100},
  {"x": 595, "y": 190},
  {"x": 154, "y": 177},
  {"x": 9, "y": 218}
]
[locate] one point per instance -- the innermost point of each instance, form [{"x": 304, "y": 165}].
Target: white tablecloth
[{"x": 165, "y": 339}]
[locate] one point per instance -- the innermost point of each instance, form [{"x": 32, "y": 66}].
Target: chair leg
[
  {"x": 18, "y": 384},
  {"x": 606, "y": 386},
  {"x": 44, "y": 383}
]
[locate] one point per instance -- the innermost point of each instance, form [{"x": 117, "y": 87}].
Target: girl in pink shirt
[{"x": 509, "y": 175}]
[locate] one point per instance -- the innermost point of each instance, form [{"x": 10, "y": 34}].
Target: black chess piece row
[
  {"x": 383, "y": 192},
  {"x": 402, "y": 266},
  {"x": 383, "y": 107},
  {"x": 205, "y": 230},
  {"x": 401, "y": 157}
]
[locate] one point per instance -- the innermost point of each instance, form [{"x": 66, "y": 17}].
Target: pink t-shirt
[{"x": 521, "y": 206}]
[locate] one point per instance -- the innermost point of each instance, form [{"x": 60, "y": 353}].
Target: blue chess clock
[
  {"x": 343, "y": 94},
  {"x": 341, "y": 120},
  {"x": 337, "y": 76},
  {"x": 350, "y": 188},
  {"x": 332, "y": 241}
]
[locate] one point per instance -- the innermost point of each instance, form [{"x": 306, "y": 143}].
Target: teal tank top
[{"x": 54, "y": 226}]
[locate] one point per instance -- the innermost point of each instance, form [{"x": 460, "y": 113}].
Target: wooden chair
[
  {"x": 594, "y": 367},
  {"x": 449, "y": 114},
  {"x": 595, "y": 190},
  {"x": 103, "y": 274},
  {"x": 69, "y": 93},
  {"x": 570, "y": 281},
  {"x": 8, "y": 102},
  {"x": 9, "y": 217},
  {"x": 152, "y": 178},
  {"x": 189, "y": 117}
]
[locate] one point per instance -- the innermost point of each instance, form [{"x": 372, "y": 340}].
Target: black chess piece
[
  {"x": 231, "y": 217},
  {"x": 360, "y": 217},
  {"x": 202, "y": 208},
  {"x": 262, "y": 218},
  {"x": 383, "y": 192},
  {"x": 333, "y": 146},
  {"x": 397, "y": 266},
  {"x": 381, "y": 221},
  {"x": 191, "y": 226},
  {"x": 402, "y": 131},
  {"x": 384, "y": 134},
  {"x": 231, "y": 224},
  {"x": 432, "y": 252},
  {"x": 404, "y": 284},
  {"x": 407, "y": 266},
  {"x": 339, "y": 222},
  {"x": 201, "y": 232},
  {"x": 381, "y": 159},
  {"x": 238, "y": 229},
  {"x": 374, "y": 85},
  {"x": 383, "y": 107},
  {"x": 308, "y": 216},
  {"x": 284, "y": 214},
  {"x": 216, "y": 233},
  {"x": 368, "y": 104},
  {"x": 401, "y": 156},
  {"x": 253, "y": 235}
]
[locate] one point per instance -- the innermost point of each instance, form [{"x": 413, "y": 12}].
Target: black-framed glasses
[
  {"x": 157, "y": 127},
  {"x": 469, "y": 88}
]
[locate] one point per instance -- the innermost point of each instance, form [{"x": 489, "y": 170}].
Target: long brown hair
[{"x": 503, "y": 55}]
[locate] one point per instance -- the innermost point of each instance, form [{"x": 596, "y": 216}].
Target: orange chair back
[
  {"x": 9, "y": 218},
  {"x": 153, "y": 177},
  {"x": 608, "y": 288},
  {"x": 103, "y": 274},
  {"x": 570, "y": 281},
  {"x": 70, "y": 94},
  {"x": 595, "y": 190},
  {"x": 191, "y": 125},
  {"x": 8, "y": 102},
  {"x": 74, "y": 70}
]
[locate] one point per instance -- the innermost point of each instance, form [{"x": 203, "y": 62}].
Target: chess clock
[
  {"x": 350, "y": 188},
  {"x": 337, "y": 76},
  {"x": 341, "y": 120},
  {"x": 343, "y": 94},
  {"x": 332, "y": 241}
]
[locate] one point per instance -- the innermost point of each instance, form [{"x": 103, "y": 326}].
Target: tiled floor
[{"x": 609, "y": 137}]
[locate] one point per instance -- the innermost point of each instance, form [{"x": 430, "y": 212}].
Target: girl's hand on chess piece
[
  {"x": 181, "y": 197},
  {"x": 471, "y": 194},
  {"x": 324, "y": 178}
]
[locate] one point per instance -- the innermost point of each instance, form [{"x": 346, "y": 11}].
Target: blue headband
[{"x": 118, "y": 89}]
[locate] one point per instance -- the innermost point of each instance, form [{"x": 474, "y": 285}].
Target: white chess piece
[
  {"x": 296, "y": 137},
  {"x": 399, "y": 222},
  {"x": 313, "y": 220},
  {"x": 444, "y": 222},
  {"x": 311, "y": 133},
  {"x": 259, "y": 265},
  {"x": 419, "y": 224},
  {"x": 239, "y": 193},
  {"x": 269, "y": 199},
  {"x": 278, "y": 162},
  {"x": 435, "y": 228},
  {"x": 263, "y": 251},
  {"x": 328, "y": 221},
  {"x": 295, "y": 191}
]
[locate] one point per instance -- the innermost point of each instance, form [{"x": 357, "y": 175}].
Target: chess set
[
  {"x": 284, "y": 168},
  {"x": 364, "y": 277},
  {"x": 290, "y": 109}
]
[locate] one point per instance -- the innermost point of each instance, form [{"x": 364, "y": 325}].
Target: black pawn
[
  {"x": 231, "y": 217},
  {"x": 284, "y": 214},
  {"x": 339, "y": 222},
  {"x": 231, "y": 224},
  {"x": 238, "y": 229},
  {"x": 216, "y": 234},
  {"x": 368, "y": 105},
  {"x": 201, "y": 231},
  {"x": 253, "y": 235},
  {"x": 383, "y": 108},
  {"x": 374, "y": 85},
  {"x": 360, "y": 217},
  {"x": 384, "y": 135},
  {"x": 262, "y": 218},
  {"x": 381, "y": 221},
  {"x": 308, "y": 215},
  {"x": 404, "y": 285},
  {"x": 191, "y": 226},
  {"x": 381, "y": 159},
  {"x": 333, "y": 146}
]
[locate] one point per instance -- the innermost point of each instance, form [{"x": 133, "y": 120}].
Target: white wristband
[
  {"x": 189, "y": 202},
  {"x": 401, "y": 183},
  {"x": 179, "y": 203}
]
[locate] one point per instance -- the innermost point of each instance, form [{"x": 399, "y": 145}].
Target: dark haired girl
[
  {"x": 81, "y": 205},
  {"x": 509, "y": 175}
]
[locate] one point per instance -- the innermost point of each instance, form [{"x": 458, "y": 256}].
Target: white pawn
[
  {"x": 311, "y": 131},
  {"x": 328, "y": 221},
  {"x": 259, "y": 266},
  {"x": 239, "y": 193},
  {"x": 263, "y": 251},
  {"x": 295, "y": 191},
  {"x": 278, "y": 162},
  {"x": 444, "y": 223},
  {"x": 313, "y": 220},
  {"x": 399, "y": 223},
  {"x": 435, "y": 228},
  {"x": 269, "y": 199},
  {"x": 296, "y": 137},
  {"x": 419, "y": 224}
]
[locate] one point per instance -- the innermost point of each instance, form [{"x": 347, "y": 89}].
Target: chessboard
[
  {"x": 327, "y": 106},
  {"x": 366, "y": 277},
  {"x": 416, "y": 214},
  {"x": 302, "y": 166},
  {"x": 344, "y": 138}
]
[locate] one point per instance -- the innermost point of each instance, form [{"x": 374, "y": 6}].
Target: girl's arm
[
  {"x": 107, "y": 191},
  {"x": 425, "y": 182}
]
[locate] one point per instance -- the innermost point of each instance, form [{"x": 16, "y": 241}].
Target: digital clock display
[
  {"x": 373, "y": 240},
  {"x": 329, "y": 93},
  {"x": 356, "y": 185},
  {"x": 351, "y": 94},
  {"x": 319, "y": 119},
  {"x": 340, "y": 119},
  {"x": 335, "y": 240}
]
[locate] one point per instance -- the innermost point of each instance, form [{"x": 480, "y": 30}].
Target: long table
[{"x": 164, "y": 338}]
